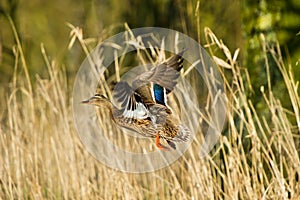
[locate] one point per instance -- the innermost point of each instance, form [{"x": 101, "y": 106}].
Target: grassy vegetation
[{"x": 257, "y": 156}]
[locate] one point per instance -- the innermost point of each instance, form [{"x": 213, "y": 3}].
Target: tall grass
[{"x": 257, "y": 156}]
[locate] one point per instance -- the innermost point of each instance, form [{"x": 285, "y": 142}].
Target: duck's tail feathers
[{"x": 183, "y": 134}]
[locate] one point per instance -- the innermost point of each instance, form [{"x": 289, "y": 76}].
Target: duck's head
[{"x": 97, "y": 100}]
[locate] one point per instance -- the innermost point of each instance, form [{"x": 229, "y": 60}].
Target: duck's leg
[{"x": 159, "y": 145}]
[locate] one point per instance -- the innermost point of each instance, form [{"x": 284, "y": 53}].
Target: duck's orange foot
[{"x": 159, "y": 145}]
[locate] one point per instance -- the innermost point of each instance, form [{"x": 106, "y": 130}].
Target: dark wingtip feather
[{"x": 176, "y": 61}]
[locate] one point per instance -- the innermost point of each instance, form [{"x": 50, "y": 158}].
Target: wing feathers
[{"x": 135, "y": 100}]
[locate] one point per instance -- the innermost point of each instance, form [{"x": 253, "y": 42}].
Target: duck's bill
[{"x": 85, "y": 101}]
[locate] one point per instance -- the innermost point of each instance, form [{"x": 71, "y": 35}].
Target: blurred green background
[{"x": 237, "y": 23}]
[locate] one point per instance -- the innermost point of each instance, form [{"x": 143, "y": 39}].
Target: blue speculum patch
[{"x": 159, "y": 94}]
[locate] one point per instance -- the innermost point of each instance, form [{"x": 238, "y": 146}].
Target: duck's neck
[{"x": 105, "y": 103}]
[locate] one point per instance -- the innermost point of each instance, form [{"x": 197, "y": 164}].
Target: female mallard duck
[{"x": 144, "y": 106}]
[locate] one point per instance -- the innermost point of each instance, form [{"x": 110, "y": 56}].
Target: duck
[{"x": 143, "y": 105}]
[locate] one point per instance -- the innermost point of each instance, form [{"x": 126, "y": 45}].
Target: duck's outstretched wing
[
  {"x": 136, "y": 106},
  {"x": 161, "y": 80},
  {"x": 175, "y": 62},
  {"x": 161, "y": 75},
  {"x": 164, "y": 75},
  {"x": 131, "y": 103},
  {"x": 148, "y": 89}
]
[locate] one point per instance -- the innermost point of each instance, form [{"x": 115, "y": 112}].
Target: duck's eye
[{"x": 99, "y": 96}]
